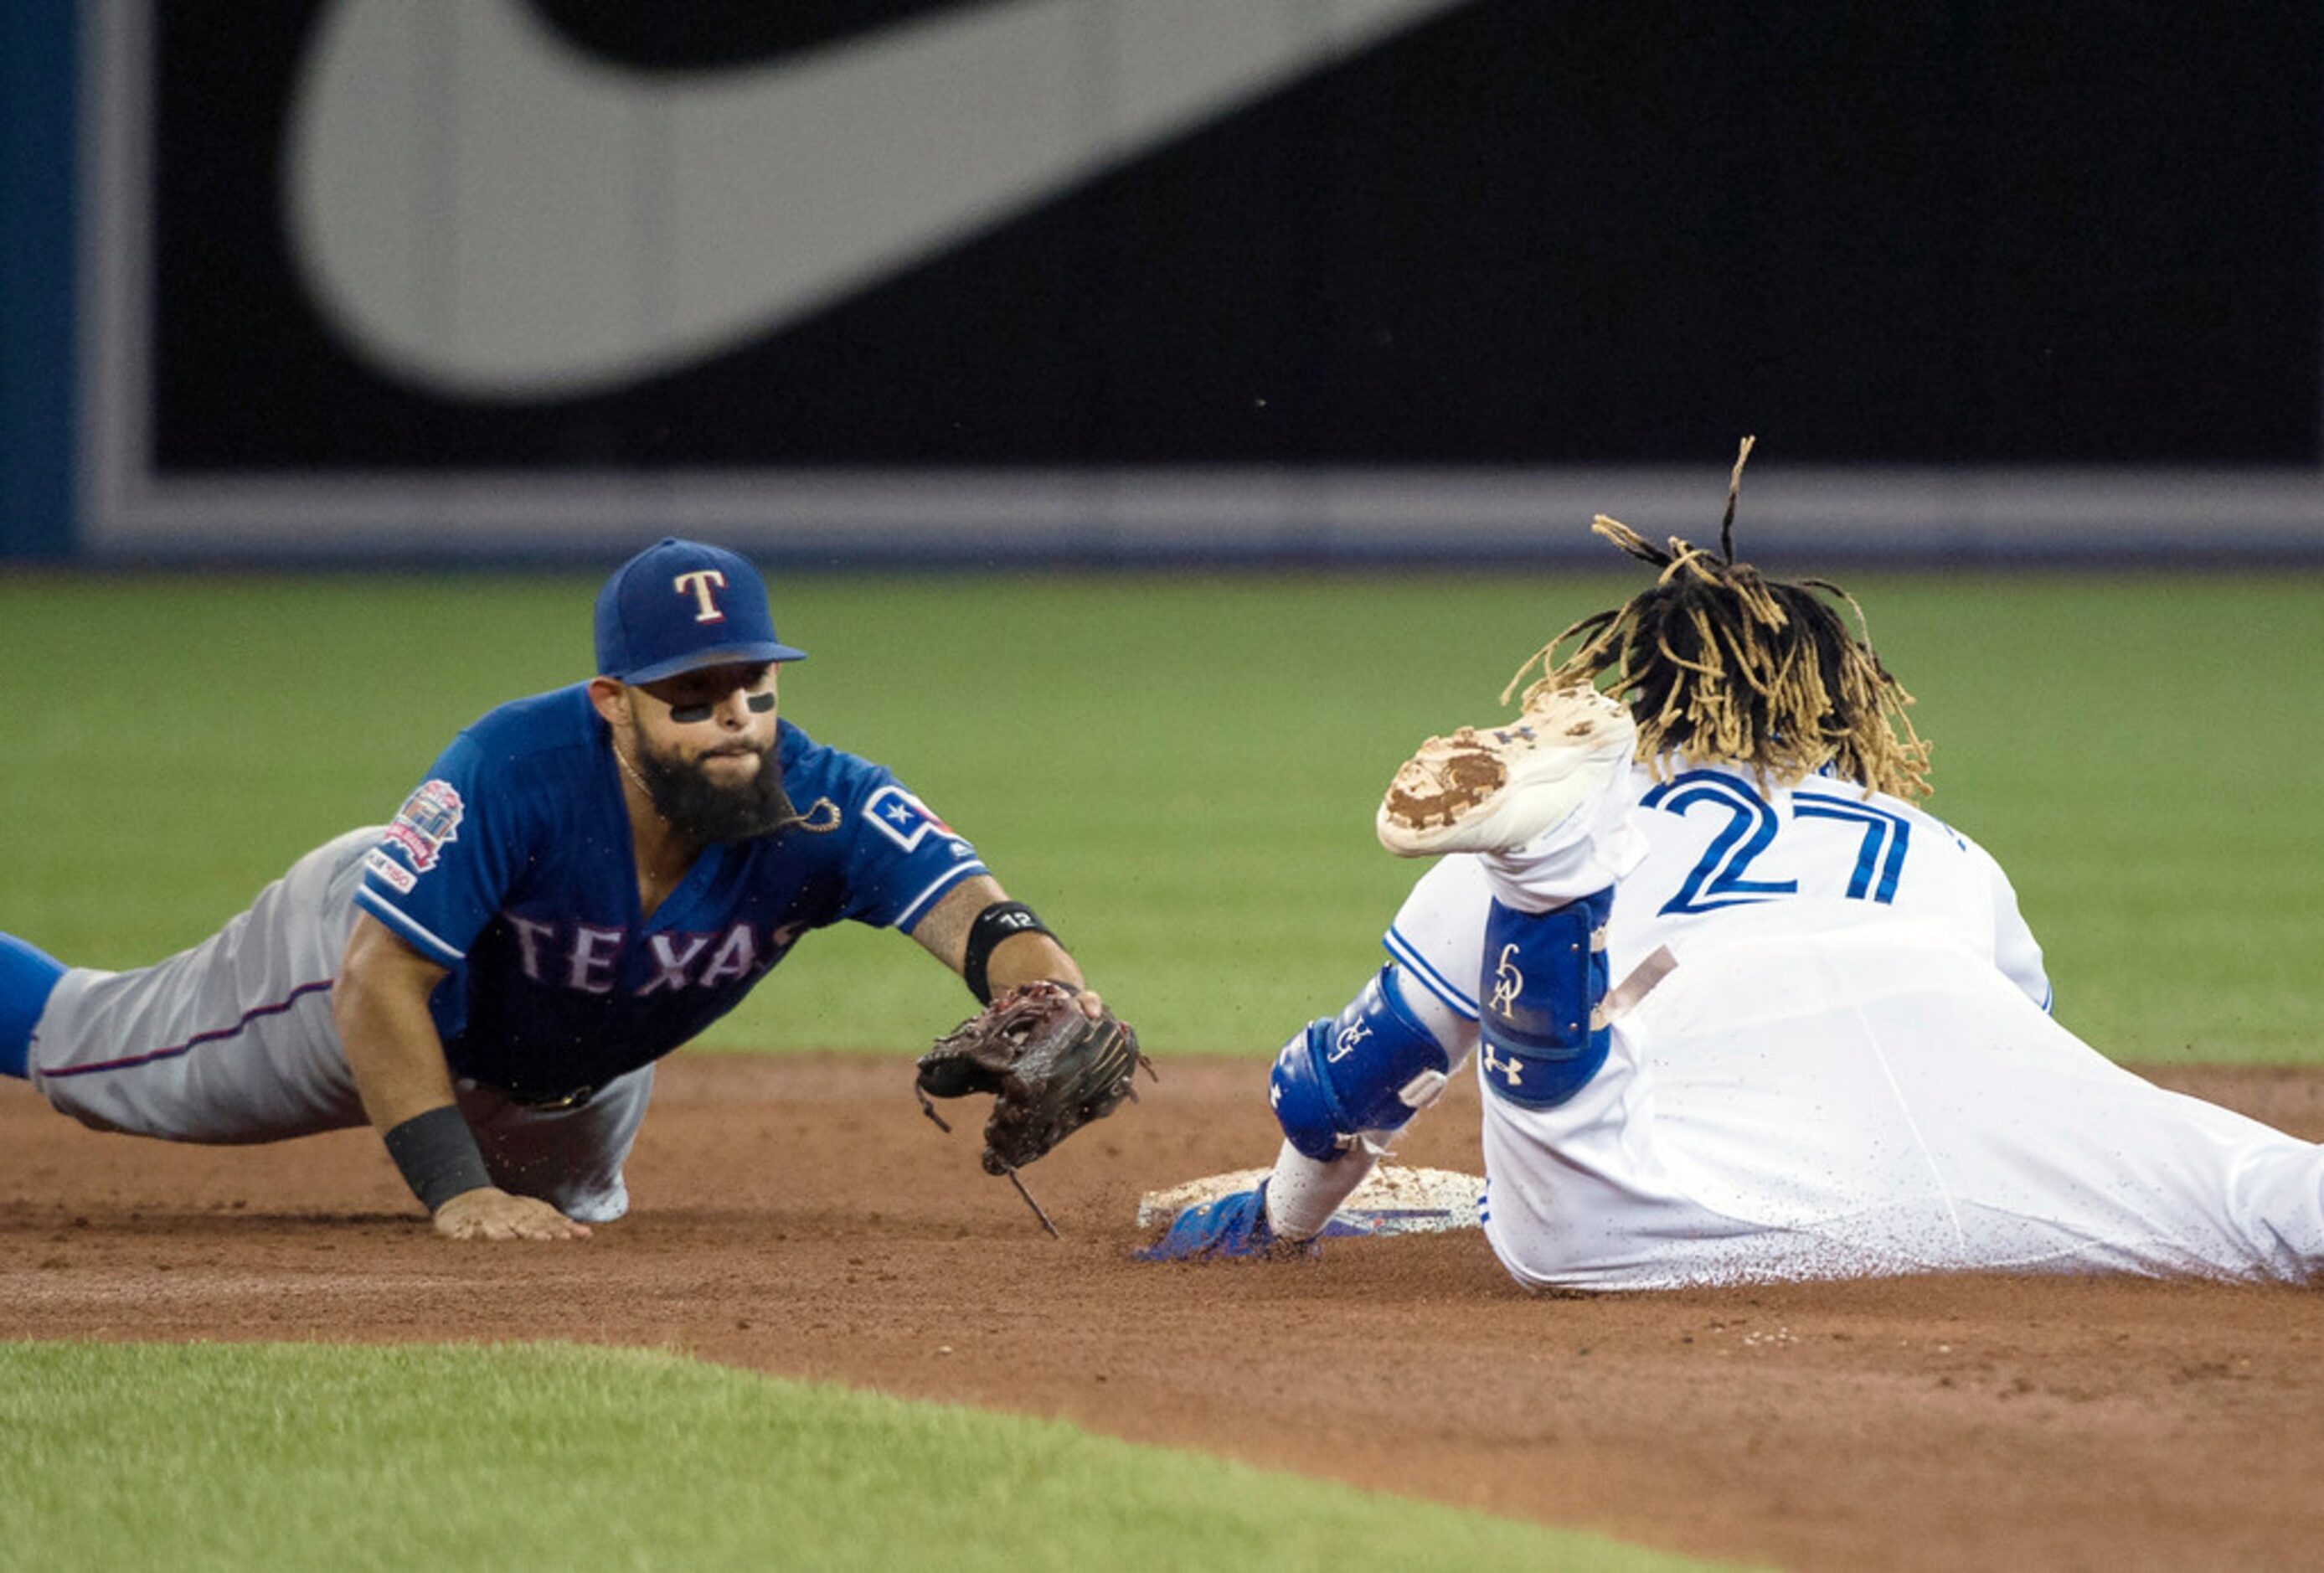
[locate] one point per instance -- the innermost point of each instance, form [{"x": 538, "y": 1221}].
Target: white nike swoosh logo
[{"x": 480, "y": 208}]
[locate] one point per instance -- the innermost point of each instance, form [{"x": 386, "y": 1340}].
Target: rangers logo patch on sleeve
[
  {"x": 430, "y": 819},
  {"x": 906, "y": 820}
]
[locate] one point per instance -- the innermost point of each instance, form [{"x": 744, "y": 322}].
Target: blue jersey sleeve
[
  {"x": 898, "y": 858},
  {"x": 452, "y": 850}
]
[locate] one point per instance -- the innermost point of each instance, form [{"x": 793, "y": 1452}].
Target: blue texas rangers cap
[{"x": 679, "y": 605}]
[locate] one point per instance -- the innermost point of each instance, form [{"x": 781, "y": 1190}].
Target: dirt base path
[{"x": 800, "y": 1217}]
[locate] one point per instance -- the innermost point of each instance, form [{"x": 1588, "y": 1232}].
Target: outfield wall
[{"x": 969, "y": 281}]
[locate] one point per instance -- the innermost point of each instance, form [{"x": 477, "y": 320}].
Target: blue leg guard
[
  {"x": 1544, "y": 980},
  {"x": 1366, "y": 1070},
  {"x": 28, "y": 976}
]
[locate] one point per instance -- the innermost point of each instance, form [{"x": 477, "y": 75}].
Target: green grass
[
  {"x": 1179, "y": 772},
  {"x": 257, "y": 1456}
]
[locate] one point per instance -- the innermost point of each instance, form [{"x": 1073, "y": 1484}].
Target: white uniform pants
[{"x": 1877, "y": 1100}]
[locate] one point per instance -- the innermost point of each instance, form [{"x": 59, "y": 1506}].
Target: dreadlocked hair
[{"x": 1719, "y": 664}]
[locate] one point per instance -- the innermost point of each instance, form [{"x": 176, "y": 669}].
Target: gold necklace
[{"x": 631, "y": 771}]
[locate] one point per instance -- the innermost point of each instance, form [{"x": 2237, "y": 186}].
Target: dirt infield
[{"x": 800, "y": 1217}]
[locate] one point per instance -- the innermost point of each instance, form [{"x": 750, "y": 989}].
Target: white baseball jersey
[{"x": 1843, "y": 1065}]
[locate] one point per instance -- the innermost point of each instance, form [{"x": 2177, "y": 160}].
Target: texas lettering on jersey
[{"x": 580, "y": 955}]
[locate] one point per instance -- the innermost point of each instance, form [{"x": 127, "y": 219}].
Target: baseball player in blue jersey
[
  {"x": 1741, "y": 1010},
  {"x": 583, "y": 880}
]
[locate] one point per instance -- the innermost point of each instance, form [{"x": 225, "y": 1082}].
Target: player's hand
[
  {"x": 1233, "y": 1226},
  {"x": 488, "y": 1213}
]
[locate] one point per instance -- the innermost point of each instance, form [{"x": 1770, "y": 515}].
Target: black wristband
[
  {"x": 999, "y": 921},
  {"x": 439, "y": 1156}
]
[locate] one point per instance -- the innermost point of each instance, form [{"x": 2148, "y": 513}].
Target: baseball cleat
[{"x": 1495, "y": 788}]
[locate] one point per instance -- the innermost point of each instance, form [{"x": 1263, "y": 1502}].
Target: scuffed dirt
[{"x": 800, "y": 1217}]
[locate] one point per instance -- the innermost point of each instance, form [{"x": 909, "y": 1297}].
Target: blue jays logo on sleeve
[
  {"x": 906, "y": 820},
  {"x": 428, "y": 818}
]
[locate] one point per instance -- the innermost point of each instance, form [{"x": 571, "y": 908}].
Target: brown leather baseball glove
[{"x": 1051, "y": 1069}]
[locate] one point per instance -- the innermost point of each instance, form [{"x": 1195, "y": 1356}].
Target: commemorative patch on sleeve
[{"x": 429, "y": 821}]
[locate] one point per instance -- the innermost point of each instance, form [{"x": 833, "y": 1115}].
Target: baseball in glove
[{"x": 1051, "y": 1069}]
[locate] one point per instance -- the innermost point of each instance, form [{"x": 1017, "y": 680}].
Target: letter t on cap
[{"x": 698, "y": 584}]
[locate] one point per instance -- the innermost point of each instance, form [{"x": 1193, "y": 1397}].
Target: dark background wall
[{"x": 1981, "y": 233}]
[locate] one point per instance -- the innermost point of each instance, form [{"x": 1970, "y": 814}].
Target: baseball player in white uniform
[{"x": 1742, "y": 1012}]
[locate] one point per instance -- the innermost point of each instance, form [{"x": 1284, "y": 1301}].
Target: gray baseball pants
[{"x": 232, "y": 1041}]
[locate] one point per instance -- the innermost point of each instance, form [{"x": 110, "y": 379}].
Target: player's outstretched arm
[
  {"x": 380, "y": 1005},
  {"x": 980, "y": 933}
]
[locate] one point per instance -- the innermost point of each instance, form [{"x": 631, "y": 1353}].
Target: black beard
[{"x": 700, "y": 809}]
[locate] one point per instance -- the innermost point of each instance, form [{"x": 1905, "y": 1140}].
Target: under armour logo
[
  {"x": 698, "y": 583},
  {"x": 1509, "y": 1068},
  {"x": 1507, "y": 983},
  {"x": 1346, "y": 1043}
]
